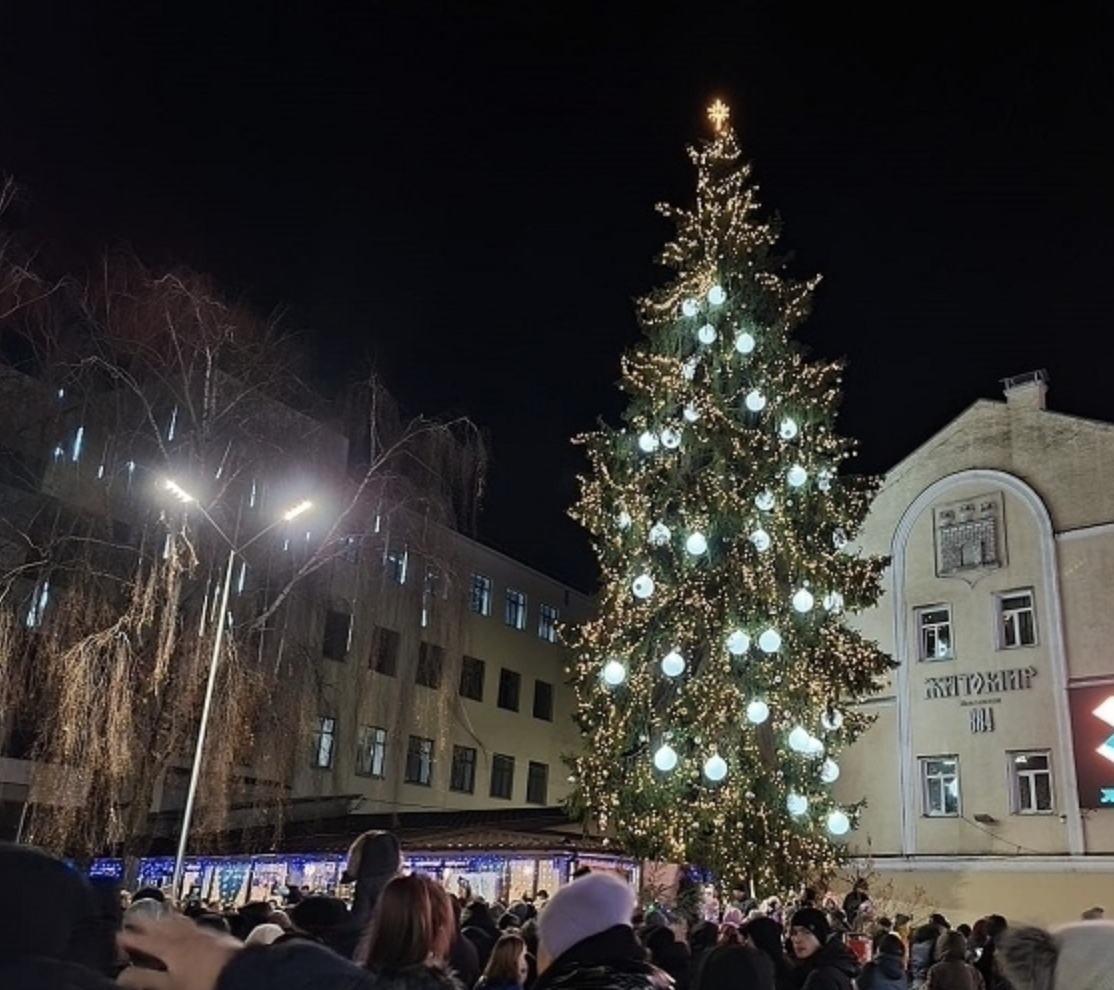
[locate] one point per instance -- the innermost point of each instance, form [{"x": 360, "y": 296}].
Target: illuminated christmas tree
[{"x": 717, "y": 685}]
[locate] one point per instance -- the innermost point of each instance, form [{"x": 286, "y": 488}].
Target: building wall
[{"x": 1038, "y": 485}]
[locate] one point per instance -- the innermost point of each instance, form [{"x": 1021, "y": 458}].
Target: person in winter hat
[
  {"x": 1079, "y": 956},
  {"x": 586, "y": 940},
  {"x": 886, "y": 971},
  {"x": 374, "y": 860},
  {"x": 729, "y": 967},
  {"x": 824, "y": 963},
  {"x": 766, "y": 935},
  {"x": 951, "y": 971}
]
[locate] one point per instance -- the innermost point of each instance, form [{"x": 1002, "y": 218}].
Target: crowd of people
[{"x": 59, "y": 929}]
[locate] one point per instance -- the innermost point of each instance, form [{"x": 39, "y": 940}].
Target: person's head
[
  {"x": 265, "y": 934},
  {"x": 951, "y": 945},
  {"x": 1079, "y": 956},
  {"x": 891, "y": 945},
  {"x": 808, "y": 931},
  {"x": 940, "y": 921},
  {"x": 996, "y": 925},
  {"x": 507, "y": 964},
  {"x": 149, "y": 894},
  {"x": 702, "y": 936},
  {"x": 728, "y": 967},
  {"x": 412, "y": 924},
  {"x": 217, "y": 922},
  {"x": 590, "y": 905},
  {"x": 764, "y": 934},
  {"x": 964, "y": 930},
  {"x": 862, "y": 886}
]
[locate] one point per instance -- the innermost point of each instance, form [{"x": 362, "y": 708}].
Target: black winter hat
[{"x": 813, "y": 920}]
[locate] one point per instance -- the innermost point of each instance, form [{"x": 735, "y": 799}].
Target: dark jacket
[
  {"x": 954, "y": 974},
  {"x": 831, "y": 967},
  {"x": 294, "y": 965},
  {"x": 884, "y": 972},
  {"x": 612, "y": 960},
  {"x": 414, "y": 978}
]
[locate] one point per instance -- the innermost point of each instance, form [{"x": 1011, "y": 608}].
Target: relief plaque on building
[{"x": 969, "y": 535}]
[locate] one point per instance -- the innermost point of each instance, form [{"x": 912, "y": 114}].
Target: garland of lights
[{"x": 716, "y": 685}]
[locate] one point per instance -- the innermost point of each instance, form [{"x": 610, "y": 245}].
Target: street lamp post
[{"x": 214, "y": 662}]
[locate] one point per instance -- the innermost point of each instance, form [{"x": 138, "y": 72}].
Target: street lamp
[{"x": 214, "y": 660}]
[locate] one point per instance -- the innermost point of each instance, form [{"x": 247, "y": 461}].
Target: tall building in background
[{"x": 989, "y": 774}]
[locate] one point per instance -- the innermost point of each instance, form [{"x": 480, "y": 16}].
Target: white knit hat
[
  {"x": 1079, "y": 956},
  {"x": 589, "y": 905}
]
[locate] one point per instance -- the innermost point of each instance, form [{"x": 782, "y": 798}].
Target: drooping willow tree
[{"x": 109, "y": 590}]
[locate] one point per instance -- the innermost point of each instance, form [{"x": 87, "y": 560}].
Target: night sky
[{"x": 462, "y": 193}]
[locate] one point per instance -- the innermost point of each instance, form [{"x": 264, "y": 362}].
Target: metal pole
[{"x": 199, "y": 748}]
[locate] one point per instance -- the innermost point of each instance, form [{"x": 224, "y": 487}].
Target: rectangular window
[
  {"x": 419, "y": 761},
  {"x": 934, "y": 632},
  {"x": 543, "y": 700},
  {"x": 472, "y": 671},
  {"x": 338, "y": 635},
  {"x": 537, "y": 783},
  {"x": 396, "y": 561},
  {"x": 515, "y": 614},
  {"x": 463, "y": 777},
  {"x": 431, "y": 662},
  {"x": 1017, "y": 624},
  {"x": 384, "y": 651},
  {"x": 510, "y": 684},
  {"x": 502, "y": 776},
  {"x": 371, "y": 756},
  {"x": 1031, "y": 782},
  {"x": 324, "y": 742},
  {"x": 547, "y": 622},
  {"x": 940, "y": 786},
  {"x": 480, "y": 601}
]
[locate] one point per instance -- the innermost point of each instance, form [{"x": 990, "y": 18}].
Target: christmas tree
[{"x": 717, "y": 684}]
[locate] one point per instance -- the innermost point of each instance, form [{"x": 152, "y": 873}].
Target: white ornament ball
[
  {"x": 824, "y": 480},
  {"x": 642, "y": 586},
  {"x": 716, "y": 295},
  {"x": 691, "y": 414},
  {"x": 761, "y": 540},
  {"x": 648, "y": 442},
  {"x": 659, "y": 534},
  {"x": 838, "y": 823},
  {"x": 833, "y": 601},
  {"x": 690, "y": 307},
  {"x": 670, "y": 439},
  {"x": 755, "y": 400},
  {"x": 788, "y": 429},
  {"x": 757, "y": 712},
  {"x": 796, "y": 476},
  {"x": 665, "y": 759},
  {"x": 814, "y": 748},
  {"x": 744, "y": 343},
  {"x": 839, "y": 539},
  {"x": 769, "y": 641},
  {"x": 798, "y": 739},
  {"x": 738, "y": 643},
  {"x": 832, "y": 720},
  {"x": 796, "y": 804},
  {"x": 829, "y": 772},
  {"x": 707, "y": 334},
  {"x": 765, "y": 500},
  {"x": 673, "y": 664},
  {"x": 688, "y": 369},
  {"x": 623, "y": 520},
  {"x": 696, "y": 544},
  {"x": 803, "y": 601},
  {"x": 614, "y": 673},
  {"x": 715, "y": 769}
]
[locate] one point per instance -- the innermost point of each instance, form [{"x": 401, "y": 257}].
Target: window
[
  {"x": 338, "y": 635},
  {"x": 480, "y": 602},
  {"x": 371, "y": 756},
  {"x": 395, "y": 560},
  {"x": 934, "y": 632},
  {"x": 515, "y": 615},
  {"x": 463, "y": 777},
  {"x": 543, "y": 700},
  {"x": 537, "y": 782},
  {"x": 324, "y": 742},
  {"x": 384, "y": 651},
  {"x": 431, "y": 661},
  {"x": 419, "y": 761},
  {"x": 1031, "y": 782},
  {"x": 1017, "y": 624},
  {"x": 510, "y": 682},
  {"x": 472, "y": 678},
  {"x": 547, "y": 622},
  {"x": 502, "y": 776},
  {"x": 940, "y": 783}
]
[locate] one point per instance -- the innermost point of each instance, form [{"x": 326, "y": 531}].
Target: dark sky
[{"x": 464, "y": 192}]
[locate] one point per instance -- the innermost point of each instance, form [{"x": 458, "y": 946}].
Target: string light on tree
[{"x": 720, "y": 361}]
